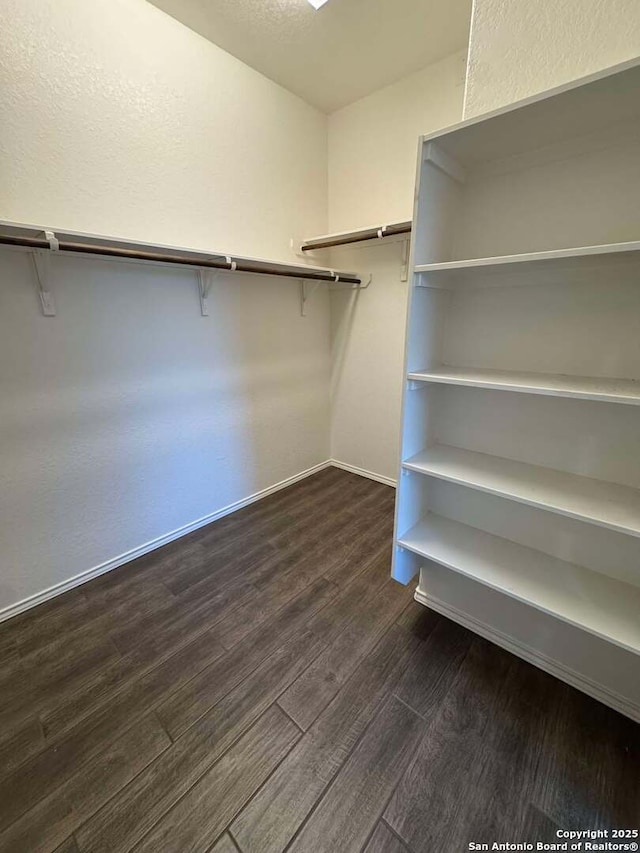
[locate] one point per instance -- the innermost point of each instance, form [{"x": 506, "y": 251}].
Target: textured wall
[
  {"x": 373, "y": 144},
  {"x": 519, "y": 48},
  {"x": 372, "y": 163},
  {"x": 367, "y": 333},
  {"x": 129, "y": 415},
  {"x": 118, "y": 120}
]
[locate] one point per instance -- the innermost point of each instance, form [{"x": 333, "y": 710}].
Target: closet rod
[
  {"x": 222, "y": 263},
  {"x": 360, "y": 236}
]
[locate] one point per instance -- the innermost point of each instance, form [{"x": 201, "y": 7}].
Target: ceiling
[{"x": 333, "y": 56}]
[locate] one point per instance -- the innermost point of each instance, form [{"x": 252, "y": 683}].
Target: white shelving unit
[
  {"x": 519, "y": 492},
  {"x": 606, "y": 504},
  {"x": 604, "y": 607},
  {"x": 523, "y": 382}
]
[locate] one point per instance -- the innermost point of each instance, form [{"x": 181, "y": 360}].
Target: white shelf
[
  {"x": 606, "y": 504},
  {"x": 601, "y": 605},
  {"x": 609, "y": 255},
  {"x": 548, "y": 384},
  {"x": 359, "y": 235},
  {"x": 593, "y": 104}
]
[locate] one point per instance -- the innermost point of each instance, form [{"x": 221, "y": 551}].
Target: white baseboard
[
  {"x": 362, "y": 472},
  {"x": 555, "y": 668},
  {"x": 141, "y": 550}
]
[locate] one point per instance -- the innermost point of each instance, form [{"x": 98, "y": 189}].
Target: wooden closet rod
[
  {"x": 221, "y": 263},
  {"x": 356, "y": 236}
]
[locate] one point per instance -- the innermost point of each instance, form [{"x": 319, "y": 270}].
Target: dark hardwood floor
[{"x": 262, "y": 685}]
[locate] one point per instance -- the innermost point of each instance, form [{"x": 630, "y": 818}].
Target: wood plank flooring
[{"x": 261, "y": 685}]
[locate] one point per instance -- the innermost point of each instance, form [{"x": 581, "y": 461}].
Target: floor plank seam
[
  {"x": 153, "y": 707},
  {"x": 169, "y": 591},
  {"x": 410, "y": 759},
  {"x": 265, "y": 781},
  {"x": 346, "y": 626},
  {"x": 155, "y": 714},
  {"x": 233, "y": 839},
  {"x": 303, "y": 733},
  {"x": 345, "y": 759},
  {"x": 219, "y": 699},
  {"x": 151, "y": 711},
  {"x": 260, "y": 663},
  {"x": 274, "y": 615},
  {"x": 428, "y": 723},
  {"x": 143, "y": 673},
  {"x": 55, "y": 791},
  {"x": 388, "y": 826},
  {"x": 407, "y": 705},
  {"x": 206, "y": 770},
  {"x": 287, "y": 714},
  {"x": 376, "y": 710}
]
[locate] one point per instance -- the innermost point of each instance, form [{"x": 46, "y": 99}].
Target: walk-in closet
[{"x": 319, "y": 426}]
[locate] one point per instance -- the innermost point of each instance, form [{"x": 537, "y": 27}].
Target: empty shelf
[
  {"x": 586, "y": 256},
  {"x": 360, "y": 235},
  {"x": 548, "y": 384},
  {"x": 606, "y": 504},
  {"x": 601, "y": 605}
]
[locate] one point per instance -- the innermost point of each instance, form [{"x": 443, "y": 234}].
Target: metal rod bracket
[
  {"x": 306, "y": 294},
  {"x": 52, "y": 240},
  {"x": 295, "y": 244},
  {"x": 42, "y": 267},
  {"x": 205, "y": 282},
  {"x": 364, "y": 284},
  {"x": 404, "y": 269}
]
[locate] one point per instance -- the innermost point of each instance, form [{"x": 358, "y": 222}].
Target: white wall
[
  {"x": 367, "y": 333},
  {"x": 519, "y": 48},
  {"x": 117, "y": 119},
  {"x": 129, "y": 415},
  {"x": 373, "y": 144},
  {"x": 372, "y": 162}
]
